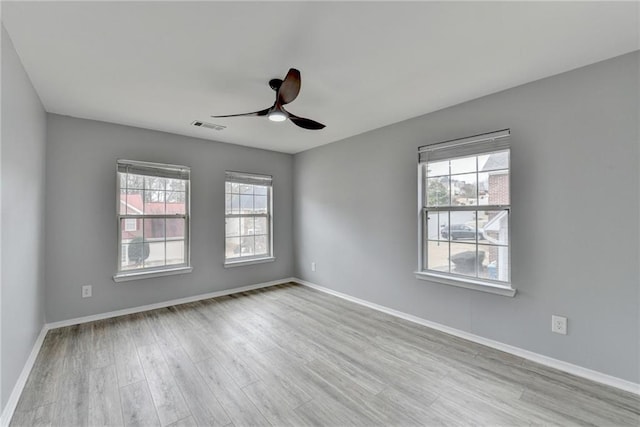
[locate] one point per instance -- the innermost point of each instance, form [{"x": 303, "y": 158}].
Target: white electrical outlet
[
  {"x": 313, "y": 266},
  {"x": 559, "y": 325},
  {"x": 86, "y": 291}
]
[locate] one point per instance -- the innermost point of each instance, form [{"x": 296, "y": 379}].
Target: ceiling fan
[{"x": 286, "y": 91}]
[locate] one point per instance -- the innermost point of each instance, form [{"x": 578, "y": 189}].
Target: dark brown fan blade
[
  {"x": 290, "y": 87},
  {"x": 255, "y": 113},
  {"x": 305, "y": 123}
]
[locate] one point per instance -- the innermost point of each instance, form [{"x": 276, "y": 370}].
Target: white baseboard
[
  {"x": 12, "y": 403},
  {"x": 141, "y": 308},
  {"x": 526, "y": 354},
  {"x": 10, "y": 407}
]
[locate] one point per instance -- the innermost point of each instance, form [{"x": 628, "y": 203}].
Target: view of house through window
[
  {"x": 247, "y": 217},
  {"x": 153, "y": 216},
  {"x": 466, "y": 214}
]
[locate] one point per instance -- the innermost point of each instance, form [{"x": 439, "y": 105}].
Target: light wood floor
[{"x": 288, "y": 355}]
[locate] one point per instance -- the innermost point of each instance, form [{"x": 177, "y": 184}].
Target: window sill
[
  {"x": 231, "y": 264},
  {"x": 476, "y": 285},
  {"x": 125, "y": 277}
]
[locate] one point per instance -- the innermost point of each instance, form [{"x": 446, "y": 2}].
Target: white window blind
[
  {"x": 153, "y": 169},
  {"x": 247, "y": 178},
  {"x": 473, "y": 145}
]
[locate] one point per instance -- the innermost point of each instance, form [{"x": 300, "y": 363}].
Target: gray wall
[
  {"x": 575, "y": 217},
  {"x": 81, "y": 244},
  {"x": 23, "y": 163}
]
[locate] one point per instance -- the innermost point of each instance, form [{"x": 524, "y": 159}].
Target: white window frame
[
  {"x": 464, "y": 147},
  {"x": 163, "y": 170},
  {"x": 254, "y": 179}
]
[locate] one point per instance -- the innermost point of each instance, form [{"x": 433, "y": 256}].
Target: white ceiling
[{"x": 162, "y": 65}]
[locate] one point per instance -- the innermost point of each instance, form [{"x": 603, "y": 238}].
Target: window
[
  {"x": 464, "y": 212},
  {"x": 248, "y": 218},
  {"x": 153, "y": 219}
]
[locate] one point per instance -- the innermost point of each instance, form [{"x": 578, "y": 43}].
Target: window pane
[
  {"x": 235, "y": 204},
  {"x": 247, "y": 227},
  {"x": 464, "y": 190},
  {"x": 232, "y": 247},
  {"x": 246, "y": 189},
  {"x": 134, "y": 254},
  {"x": 247, "y": 246},
  {"x": 175, "y": 252},
  {"x": 176, "y": 184},
  {"x": 438, "y": 168},
  {"x": 462, "y": 226},
  {"x": 176, "y": 202},
  {"x": 122, "y": 202},
  {"x": 246, "y": 203},
  {"x": 227, "y": 187},
  {"x": 494, "y": 226},
  {"x": 134, "y": 202},
  {"x": 495, "y": 265},
  {"x": 463, "y": 165},
  {"x": 496, "y": 186},
  {"x": 129, "y": 260},
  {"x": 438, "y": 256},
  {"x": 464, "y": 260},
  {"x": 154, "y": 202},
  {"x": 235, "y": 187},
  {"x": 232, "y": 227},
  {"x": 153, "y": 229},
  {"x": 227, "y": 204},
  {"x": 260, "y": 190},
  {"x": 493, "y": 161},
  {"x": 154, "y": 183},
  {"x": 131, "y": 224},
  {"x": 156, "y": 254},
  {"x": 135, "y": 181},
  {"x": 127, "y": 234},
  {"x": 175, "y": 228},
  {"x": 262, "y": 247},
  {"x": 438, "y": 191},
  {"x": 261, "y": 225},
  {"x": 437, "y": 225},
  {"x": 260, "y": 204}
]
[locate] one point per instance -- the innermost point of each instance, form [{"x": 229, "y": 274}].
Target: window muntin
[
  {"x": 465, "y": 209},
  {"x": 248, "y": 217},
  {"x": 153, "y": 217}
]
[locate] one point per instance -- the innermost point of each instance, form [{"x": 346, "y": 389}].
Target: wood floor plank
[
  {"x": 160, "y": 324},
  {"x": 232, "y": 362},
  {"x": 167, "y": 397},
  {"x": 288, "y": 355},
  {"x": 46, "y": 376},
  {"x": 104, "y": 397},
  {"x": 274, "y": 403},
  {"x": 128, "y": 367},
  {"x": 185, "y": 422},
  {"x": 72, "y": 404},
  {"x": 233, "y": 400},
  {"x": 137, "y": 405},
  {"x": 202, "y": 403}
]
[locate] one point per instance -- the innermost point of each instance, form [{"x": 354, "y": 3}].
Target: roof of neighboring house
[{"x": 496, "y": 161}]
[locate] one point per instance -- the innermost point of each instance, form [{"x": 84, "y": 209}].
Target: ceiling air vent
[{"x": 213, "y": 126}]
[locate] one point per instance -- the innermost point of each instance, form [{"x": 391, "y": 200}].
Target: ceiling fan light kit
[
  {"x": 277, "y": 116},
  {"x": 286, "y": 91}
]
